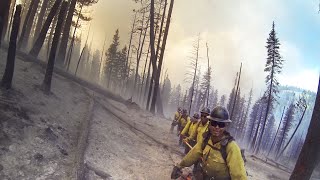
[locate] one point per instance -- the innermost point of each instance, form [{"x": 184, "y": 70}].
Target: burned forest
[{"x": 159, "y": 89}]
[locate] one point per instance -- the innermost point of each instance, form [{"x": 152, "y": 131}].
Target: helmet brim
[{"x": 219, "y": 120}]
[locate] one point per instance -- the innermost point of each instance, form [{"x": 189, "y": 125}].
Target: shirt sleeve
[
  {"x": 186, "y": 128},
  {"x": 235, "y": 162},
  {"x": 193, "y": 156}
]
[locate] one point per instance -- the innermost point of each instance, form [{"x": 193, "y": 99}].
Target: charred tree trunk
[
  {"x": 148, "y": 80},
  {"x": 152, "y": 41},
  {"x": 41, "y": 18},
  {"x": 27, "y": 25},
  {"x": 294, "y": 132},
  {"x": 66, "y": 31},
  {"x": 75, "y": 73},
  {"x": 195, "y": 73},
  {"x": 310, "y": 153},
  {"x": 4, "y": 13},
  {"x": 68, "y": 59},
  {"x": 257, "y": 130},
  {"x": 8, "y": 74},
  {"x": 42, "y": 36},
  {"x": 129, "y": 48},
  {"x": 236, "y": 94},
  {"x": 275, "y": 137},
  {"x": 156, "y": 88},
  {"x": 143, "y": 75},
  {"x": 46, "y": 85}
]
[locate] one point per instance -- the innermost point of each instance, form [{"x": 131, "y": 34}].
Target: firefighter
[
  {"x": 220, "y": 155},
  {"x": 202, "y": 126},
  {"x": 189, "y": 129},
  {"x": 176, "y": 118},
  {"x": 182, "y": 123}
]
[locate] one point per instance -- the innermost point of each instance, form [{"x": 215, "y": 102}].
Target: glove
[
  {"x": 186, "y": 140},
  {"x": 176, "y": 172}
]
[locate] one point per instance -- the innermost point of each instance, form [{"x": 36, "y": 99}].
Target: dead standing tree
[
  {"x": 8, "y": 74},
  {"x": 196, "y": 48},
  {"x": 42, "y": 36},
  {"x": 46, "y": 85}
]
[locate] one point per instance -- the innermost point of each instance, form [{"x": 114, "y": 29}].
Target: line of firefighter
[{"x": 214, "y": 153}]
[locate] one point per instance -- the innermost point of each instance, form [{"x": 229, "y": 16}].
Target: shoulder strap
[{"x": 224, "y": 142}]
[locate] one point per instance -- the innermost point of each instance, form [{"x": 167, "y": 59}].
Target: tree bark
[
  {"x": 50, "y": 66},
  {"x": 42, "y": 36},
  {"x": 66, "y": 32},
  {"x": 27, "y": 25},
  {"x": 310, "y": 153},
  {"x": 236, "y": 94},
  {"x": 294, "y": 132},
  {"x": 40, "y": 18},
  {"x": 152, "y": 50},
  {"x": 8, "y": 74},
  {"x": 156, "y": 88},
  {"x": 275, "y": 137}
]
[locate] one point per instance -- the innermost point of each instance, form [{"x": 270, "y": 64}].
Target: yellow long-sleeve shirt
[
  {"x": 213, "y": 163},
  {"x": 198, "y": 133},
  {"x": 189, "y": 128},
  {"x": 183, "y": 121}
]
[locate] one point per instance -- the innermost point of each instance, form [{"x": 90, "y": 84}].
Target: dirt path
[{"x": 119, "y": 150}]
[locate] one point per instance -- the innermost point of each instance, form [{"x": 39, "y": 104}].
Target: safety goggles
[{"x": 215, "y": 123}]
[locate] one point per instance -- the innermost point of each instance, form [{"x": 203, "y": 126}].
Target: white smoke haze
[{"x": 236, "y": 31}]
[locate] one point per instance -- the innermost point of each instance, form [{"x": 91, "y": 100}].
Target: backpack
[{"x": 223, "y": 143}]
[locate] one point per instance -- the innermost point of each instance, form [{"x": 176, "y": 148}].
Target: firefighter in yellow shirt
[
  {"x": 176, "y": 118},
  {"x": 220, "y": 155},
  {"x": 182, "y": 123},
  {"x": 202, "y": 126},
  {"x": 189, "y": 129}
]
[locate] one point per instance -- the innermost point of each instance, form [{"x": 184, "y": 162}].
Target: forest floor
[{"x": 77, "y": 130}]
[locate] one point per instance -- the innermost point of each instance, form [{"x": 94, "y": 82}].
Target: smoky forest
[{"x": 159, "y": 89}]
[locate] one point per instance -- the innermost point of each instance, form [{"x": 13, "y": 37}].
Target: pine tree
[
  {"x": 273, "y": 67},
  {"x": 111, "y": 58},
  {"x": 287, "y": 125},
  {"x": 222, "y": 101}
]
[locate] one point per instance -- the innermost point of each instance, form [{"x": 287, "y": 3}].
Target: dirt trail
[{"x": 117, "y": 149}]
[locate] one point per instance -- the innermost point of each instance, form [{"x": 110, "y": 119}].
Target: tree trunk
[
  {"x": 41, "y": 18},
  {"x": 310, "y": 153},
  {"x": 152, "y": 39},
  {"x": 66, "y": 32},
  {"x": 4, "y": 13},
  {"x": 68, "y": 59},
  {"x": 75, "y": 73},
  {"x": 275, "y": 137},
  {"x": 268, "y": 104},
  {"x": 13, "y": 5},
  {"x": 147, "y": 82},
  {"x": 194, "y": 76},
  {"x": 257, "y": 130},
  {"x": 8, "y": 74},
  {"x": 138, "y": 51},
  {"x": 27, "y": 25},
  {"x": 50, "y": 66},
  {"x": 42, "y": 36},
  {"x": 129, "y": 48},
  {"x": 236, "y": 94},
  {"x": 294, "y": 132},
  {"x": 143, "y": 75}
]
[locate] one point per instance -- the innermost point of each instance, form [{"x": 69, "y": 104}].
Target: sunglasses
[
  {"x": 220, "y": 124},
  {"x": 204, "y": 115}
]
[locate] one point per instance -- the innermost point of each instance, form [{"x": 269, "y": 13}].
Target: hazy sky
[{"x": 236, "y": 31}]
